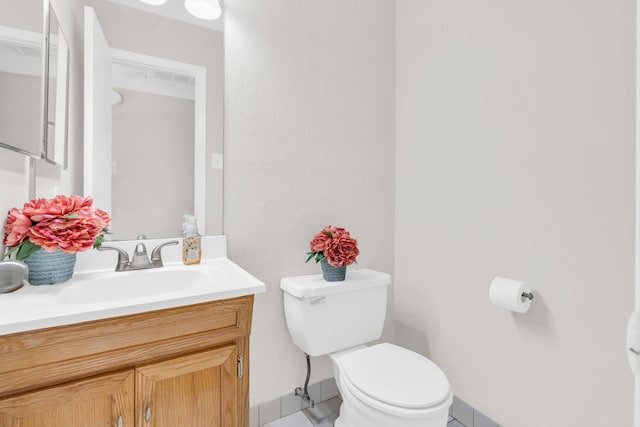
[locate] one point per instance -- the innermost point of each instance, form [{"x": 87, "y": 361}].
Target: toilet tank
[{"x": 324, "y": 317}]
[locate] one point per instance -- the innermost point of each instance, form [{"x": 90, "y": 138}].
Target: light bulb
[
  {"x": 154, "y": 2},
  {"x": 203, "y": 9}
]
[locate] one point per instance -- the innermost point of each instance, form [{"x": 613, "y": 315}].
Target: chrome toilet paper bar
[{"x": 527, "y": 295}]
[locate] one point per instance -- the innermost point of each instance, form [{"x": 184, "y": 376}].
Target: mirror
[
  {"x": 22, "y": 66},
  {"x": 57, "y": 93},
  {"x": 37, "y": 124},
  {"x": 161, "y": 94}
]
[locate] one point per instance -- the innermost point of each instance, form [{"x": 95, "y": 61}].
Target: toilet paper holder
[
  {"x": 527, "y": 295},
  {"x": 510, "y": 294}
]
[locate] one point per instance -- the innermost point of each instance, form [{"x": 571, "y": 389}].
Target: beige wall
[
  {"x": 308, "y": 142},
  {"x": 515, "y": 157}
]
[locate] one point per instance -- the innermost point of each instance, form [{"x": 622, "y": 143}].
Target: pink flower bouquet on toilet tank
[{"x": 335, "y": 249}]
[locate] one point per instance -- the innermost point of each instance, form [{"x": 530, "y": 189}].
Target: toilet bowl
[
  {"x": 383, "y": 385},
  {"x": 387, "y": 385}
]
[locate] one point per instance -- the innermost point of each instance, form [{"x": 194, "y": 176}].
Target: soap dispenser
[{"x": 191, "y": 249}]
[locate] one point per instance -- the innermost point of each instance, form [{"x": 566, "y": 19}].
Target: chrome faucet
[{"x": 139, "y": 260}]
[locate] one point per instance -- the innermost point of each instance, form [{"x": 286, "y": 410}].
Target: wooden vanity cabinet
[
  {"x": 185, "y": 366},
  {"x": 99, "y": 401},
  {"x": 198, "y": 390}
]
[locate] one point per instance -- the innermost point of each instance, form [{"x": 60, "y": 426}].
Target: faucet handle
[
  {"x": 123, "y": 257},
  {"x": 156, "y": 253}
]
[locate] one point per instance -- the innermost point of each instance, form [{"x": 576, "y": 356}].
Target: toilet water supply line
[{"x": 303, "y": 392}]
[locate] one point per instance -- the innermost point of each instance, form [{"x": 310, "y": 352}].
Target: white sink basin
[
  {"x": 97, "y": 292},
  {"x": 92, "y": 288}
]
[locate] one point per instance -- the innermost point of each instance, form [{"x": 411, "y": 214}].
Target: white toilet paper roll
[{"x": 507, "y": 293}]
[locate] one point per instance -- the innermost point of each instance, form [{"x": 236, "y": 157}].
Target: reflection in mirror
[
  {"x": 173, "y": 91},
  {"x": 21, "y": 70},
  {"x": 152, "y": 162},
  {"x": 57, "y": 93}
]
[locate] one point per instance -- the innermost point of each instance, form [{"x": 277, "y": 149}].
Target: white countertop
[{"x": 44, "y": 306}]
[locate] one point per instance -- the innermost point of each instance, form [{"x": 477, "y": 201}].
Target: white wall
[
  {"x": 309, "y": 141},
  {"x": 515, "y": 157},
  {"x": 13, "y": 184}
]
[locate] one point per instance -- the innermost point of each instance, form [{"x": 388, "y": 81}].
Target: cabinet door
[
  {"x": 106, "y": 400},
  {"x": 197, "y": 390}
]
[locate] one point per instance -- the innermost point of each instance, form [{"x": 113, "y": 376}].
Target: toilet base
[
  {"x": 374, "y": 418},
  {"x": 354, "y": 413},
  {"x": 340, "y": 423}
]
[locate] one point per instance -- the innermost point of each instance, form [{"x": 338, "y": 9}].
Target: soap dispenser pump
[{"x": 191, "y": 249}]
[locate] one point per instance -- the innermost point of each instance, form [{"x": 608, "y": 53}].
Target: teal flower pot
[
  {"x": 47, "y": 268},
  {"x": 331, "y": 273}
]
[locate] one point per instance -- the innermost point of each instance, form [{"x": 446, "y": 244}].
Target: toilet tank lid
[{"x": 312, "y": 286}]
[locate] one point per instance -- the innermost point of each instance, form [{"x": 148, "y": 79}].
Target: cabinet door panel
[
  {"x": 98, "y": 401},
  {"x": 198, "y": 390}
]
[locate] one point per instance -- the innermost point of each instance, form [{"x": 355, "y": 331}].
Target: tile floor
[
  {"x": 279, "y": 408},
  {"x": 290, "y": 411},
  {"x": 323, "y": 415}
]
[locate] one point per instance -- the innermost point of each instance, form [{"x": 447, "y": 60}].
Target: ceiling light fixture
[
  {"x": 204, "y": 9},
  {"x": 154, "y": 2}
]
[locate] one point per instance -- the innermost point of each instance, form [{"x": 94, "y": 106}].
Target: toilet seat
[{"x": 394, "y": 379}]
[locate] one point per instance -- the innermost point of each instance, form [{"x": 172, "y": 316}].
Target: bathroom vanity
[
  {"x": 186, "y": 366},
  {"x": 177, "y": 358}
]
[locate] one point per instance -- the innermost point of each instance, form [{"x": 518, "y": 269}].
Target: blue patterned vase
[
  {"x": 47, "y": 268},
  {"x": 331, "y": 273}
]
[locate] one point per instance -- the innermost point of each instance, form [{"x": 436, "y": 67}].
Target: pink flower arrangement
[
  {"x": 68, "y": 223},
  {"x": 335, "y": 245}
]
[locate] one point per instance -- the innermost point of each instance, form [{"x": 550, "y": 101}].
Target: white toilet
[{"x": 381, "y": 386}]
